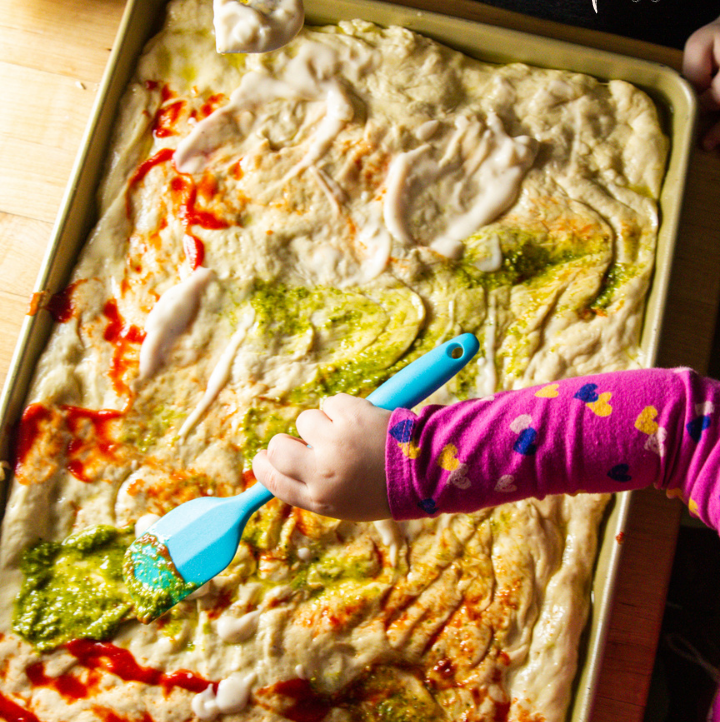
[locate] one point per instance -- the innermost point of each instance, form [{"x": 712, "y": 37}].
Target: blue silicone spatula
[{"x": 197, "y": 540}]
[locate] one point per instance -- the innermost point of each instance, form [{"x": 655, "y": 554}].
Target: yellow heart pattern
[
  {"x": 448, "y": 458},
  {"x": 548, "y": 392},
  {"x": 646, "y": 421},
  {"x": 693, "y": 507},
  {"x": 601, "y": 407},
  {"x": 410, "y": 449}
]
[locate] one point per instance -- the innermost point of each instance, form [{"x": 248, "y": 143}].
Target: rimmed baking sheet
[{"x": 78, "y": 213}]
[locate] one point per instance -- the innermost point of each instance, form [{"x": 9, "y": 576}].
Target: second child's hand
[{"x": 701, "y": 61}]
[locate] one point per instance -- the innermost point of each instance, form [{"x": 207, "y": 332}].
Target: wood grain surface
[{"x": 52, "y": 56}]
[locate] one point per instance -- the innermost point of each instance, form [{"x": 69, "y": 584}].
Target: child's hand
[
  {"x": 337, "y": 469},
  {"x": 701, "y": 60}
]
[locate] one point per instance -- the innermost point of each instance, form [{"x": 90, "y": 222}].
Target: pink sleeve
[{"x": 605, "y": 433}]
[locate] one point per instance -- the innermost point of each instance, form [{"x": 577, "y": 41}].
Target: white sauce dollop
[
  {"x": 484, "y": 182},
  {"x": 170, "y": 316},
  {"x": 237, "y": 629},
  {"x": 302, "y": 81},
  {"x": 144, "y": 523},
  {"x": 220, "y": 375},
  {"x": 232, "y": 696},
  {"x": 391, "y": 537},
  {"x": 241, "y": 28},
  {"x": 493, "y": 260}
]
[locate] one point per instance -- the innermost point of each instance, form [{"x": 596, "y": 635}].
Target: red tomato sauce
[
  {"x": 13, "y": 712},
  {"x": 109, "y": 658},
  {"x": 28, "y": 431},
  {"x": 60, "y": 305},
  {"x": 117, "y": 333},
  {"x": 91, "y": 433},
  {"x": 307, "y": 705},
  {"x": 67, "y": 685}
]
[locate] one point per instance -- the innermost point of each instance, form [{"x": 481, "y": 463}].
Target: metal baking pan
[{"x": 674, "y": 97}]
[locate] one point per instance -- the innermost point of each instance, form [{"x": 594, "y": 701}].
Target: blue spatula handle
[
  {"x": 424, "y": 375},
  {"x": 406, "y": 388}
]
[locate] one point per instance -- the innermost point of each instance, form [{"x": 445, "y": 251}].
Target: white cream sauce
[
  {"x": 478, "y": 177},
  {"x": 220, "y": 375},
  {"x": 258, "y": 27},
  {"x": 307, "y": 78},
  {"x": 339, "y": 111},
  {"x": 169, "y": 318},
  {"x": 144, "y": 523},
  {"x": 391, "y": 537},
  {"x": 233, "y": 695},
  {"x": 493, "y": 260},
  {"x": 304, "y": 554},
  {"x": 237, "y": 629}
]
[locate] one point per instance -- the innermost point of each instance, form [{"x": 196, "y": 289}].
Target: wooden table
[{"x": 52, "y": 56}]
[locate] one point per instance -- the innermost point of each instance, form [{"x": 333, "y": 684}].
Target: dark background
[
  {"x": 666, "y": 22},
  {"x": 688, "y": 657}
]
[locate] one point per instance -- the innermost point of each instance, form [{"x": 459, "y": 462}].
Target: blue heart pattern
[
  {"x": 619, "y": 472},
  {"x": 428, "y": 506},
  {"x": 697, "y": 426},
  {"x": 525, "y": 443},
  {"x": 403, "y": 431},
  {"x": 587, "y": 393}
]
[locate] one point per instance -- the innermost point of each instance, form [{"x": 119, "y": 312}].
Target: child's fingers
[
  {"x": 291, "y": 457},
  {"x": 289, "y": 490},
  {"x": 313, "y": 425},
  {"x": 711, "y": 139},
  {"x": 698, "y": 58},
  {"x": 710, "y": 98}
]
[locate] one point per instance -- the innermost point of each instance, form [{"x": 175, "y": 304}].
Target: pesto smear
[{"x": 74, "y": 588}]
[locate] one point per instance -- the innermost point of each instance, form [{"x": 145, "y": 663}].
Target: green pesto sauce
[
  {"x": 73, "y": 588},
  {"x": 260, "y": 424},
  {"x": 377, "y": 697},
  {"x": 152, "y": 580},
  {"x": 144, "y": 435},
  {"x": 524, "y": 263},
  {"x": 281, "y": 309},
  {"x": 355, "y": 377},
  {"x": 380, "y": 328},
  {"x": 335, "y": 568},
  {"x": 618, "y": 274}
]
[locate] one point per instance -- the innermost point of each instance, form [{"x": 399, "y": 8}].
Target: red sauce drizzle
[
  {"x": 76, "y": 419},
  {"x": 122, "y": 336},
  {"x": 28, "y": 430},
  {"x": 60, "y": 305},
  {"x": 109, "y": 716},
  {"x": 502, "y": 710},
  {"x": 185, "y": 194},
  {"x": 209, "y": 106},
  {"x": 166, "y": 119},
  {"x": 308, "y": 705},
  {"x": 162, "y": 156},
  {"x": 194, "y": 250},
  {"x": 67, "y": 685},
  {"x": 223, "y": 601},
  {"x": 118, "y": 661},
  {"x": 13, "y": 712}
]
